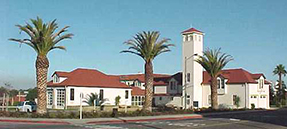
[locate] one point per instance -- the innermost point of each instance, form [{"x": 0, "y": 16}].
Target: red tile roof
[
  {"x": 136, "y": 91},
  {"x": 257, "y": 75},
  {"x": 191, "y": 30},
  {"x": 90, "y": 78},
  {"x": 61, "y": 74},
  {"x": 234, "y": 76},
  {"x": 140, "y": 77}
]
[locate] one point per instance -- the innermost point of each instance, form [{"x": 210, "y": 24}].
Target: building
[
  {"x": 65, "y": 88},
  {"x": 252, "y": 89},
  {"x": 167, "y": 89}
]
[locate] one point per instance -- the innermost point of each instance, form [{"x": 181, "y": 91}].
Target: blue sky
[{"x": 253, "y": 32}]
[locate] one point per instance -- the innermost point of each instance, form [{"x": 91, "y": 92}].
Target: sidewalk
[{"x": 99, "y": 120}]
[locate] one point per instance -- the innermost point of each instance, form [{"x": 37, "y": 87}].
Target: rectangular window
[
  {"x": 218, "y": 84},
  {"x": 222, "y": 84},
  {"x": 160, "y": 98},
  {"x": 72, "y": 93},
  {"x": 101, "y": 94},
  {"x": 127, "y": 94},
  {"x": 50, "y": 97},
  {"x": 60, "y": 97},
  {"x": 234, "y": 99},
  {"x": 209, "y": 99},
  {"x": 188, "y": 77}
]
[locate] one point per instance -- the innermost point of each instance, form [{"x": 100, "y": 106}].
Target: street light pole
[{"x": 185, "y": 77}]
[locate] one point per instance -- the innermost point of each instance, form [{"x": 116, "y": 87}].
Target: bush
[{"x": 252, "y": 106}]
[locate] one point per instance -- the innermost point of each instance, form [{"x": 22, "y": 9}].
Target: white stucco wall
[
  {"x": 109, "y": 94},
  {"x": 227, "y": 97},
  {"x": 175, "y": 101},
  {"x": 259, "y": 101},
  {"x": 240, "y": 90}
]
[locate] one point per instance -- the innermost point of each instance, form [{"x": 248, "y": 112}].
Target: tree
[
  {"x": 117, "y": 100},
  {"x": 213, "y": 61},
  {"x": 94, "y": 98},
  {"x": 237, "y": 101},
  {"x": 147, "y": 46},
  {"x": 32, "y": 94},
  {"x": 280, "y": 70},
  {"x": 43, "y": 39}
]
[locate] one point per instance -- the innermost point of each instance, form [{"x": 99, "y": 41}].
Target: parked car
[{"x": 26, "y": 106}]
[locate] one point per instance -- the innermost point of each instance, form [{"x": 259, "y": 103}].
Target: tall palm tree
[
  {"x": 43, "y": 39},
  {"x": 213, "y": 61},
  {"x": 280, "y": 70},
  {"x": 148, "y": 46}
]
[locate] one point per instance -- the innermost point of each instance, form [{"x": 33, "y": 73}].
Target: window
[
  {"x": 195, "y": 37},
  {"x": 172, "y": 85},
  {"x": 137, "y": 100},
  {"x": 127, "y": 94},
  {"x": 261, "y": 83},
  {"x": 218, "y": 83},
  {"x": 199, "y": 38},
  {"x": 222, "y": 84},
  {"x": 234, "y": 99},
  {"x": 171, "y": 98},
  {"x": 186, "y": 37},
  {"x": 72, "y": 93},
  {"x": 56, "y": 79},
  {"x": 188, "y": 77},
  {"x": 50, "y": 97},
  {"x": 61, "y": 97},
  {"x": 209, "y": 99},
  {"x": 160, "y": 98},
  {"x": 191, "y": 37},
  {"x": 101, "y": 94},
  {"x": 254, "y": 96}
]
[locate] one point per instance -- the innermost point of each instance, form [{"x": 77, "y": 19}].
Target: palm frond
[{"x": 42, "y": 36}]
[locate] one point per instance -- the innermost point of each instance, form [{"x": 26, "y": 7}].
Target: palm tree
[
  {"x": 43, "y": 39},
  {"x": 213, "y": 61},
  {"x": 280, "y": 70},
  {"x": 147, "y": 46},
  {"x": 94, "y": 98}
]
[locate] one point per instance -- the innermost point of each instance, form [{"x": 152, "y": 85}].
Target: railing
[{"x": 7, "y": 108}]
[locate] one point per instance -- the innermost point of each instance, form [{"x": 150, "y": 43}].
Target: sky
[{"x": 253, "y": 32}]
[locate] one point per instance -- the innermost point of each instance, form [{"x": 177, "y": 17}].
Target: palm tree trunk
[
  {"x": 280, "y": 88},
  {"x": 148, "y": 86},
  {"x": 42, "y": 65},
  {"x": 213, "y": 87},
  {"x": 280, "y": 81}
]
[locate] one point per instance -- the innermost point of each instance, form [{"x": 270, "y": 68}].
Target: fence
[{"x": 8, "y": 108}]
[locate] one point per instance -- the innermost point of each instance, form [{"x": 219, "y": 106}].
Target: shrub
[
  {"x": 252, "y": 106},
  {"x": 117, "y": 100}
]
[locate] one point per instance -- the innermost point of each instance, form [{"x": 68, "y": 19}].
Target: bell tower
[{"x": 192, "y": 46}]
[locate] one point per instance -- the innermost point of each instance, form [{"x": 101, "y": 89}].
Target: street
[{"x": 276, "y": 119}]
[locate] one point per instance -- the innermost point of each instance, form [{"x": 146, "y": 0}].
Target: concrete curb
[
  {"x": 142, "y": 120},
  {"x": 35, "y": 121}
]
